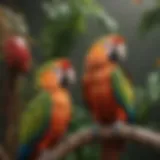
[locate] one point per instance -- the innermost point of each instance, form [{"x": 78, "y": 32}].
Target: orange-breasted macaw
[
  {"x": 47, "y": 117},
  {"x": 107, "y": 90}
]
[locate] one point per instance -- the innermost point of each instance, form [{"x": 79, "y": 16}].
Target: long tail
[{"x": 112, "y": 149}]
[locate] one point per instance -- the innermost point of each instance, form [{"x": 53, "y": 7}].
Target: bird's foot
[
  {"x": 116, "y": 127},
  {"x": 95, "y": 131}
]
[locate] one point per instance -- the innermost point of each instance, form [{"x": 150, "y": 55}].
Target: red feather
[
  {"x": 66, "y": 64},
  {"x": 17, "y": 54}
]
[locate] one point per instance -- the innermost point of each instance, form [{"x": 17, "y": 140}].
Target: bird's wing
[
  {"x": 34, "y": 123},
  {"x": 124, "y": 92}
]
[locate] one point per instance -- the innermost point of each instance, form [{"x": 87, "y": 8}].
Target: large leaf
[
  {"x": 143, "y": 106},
  {"x": 150, "y": 20},
  {"x": 153, "y": 86},
  {"x": 147, "y": 96},
  {"x": 65, "y": 20}
]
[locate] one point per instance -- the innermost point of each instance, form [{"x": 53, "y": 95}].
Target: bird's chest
[{"x": 102, "y": 101}]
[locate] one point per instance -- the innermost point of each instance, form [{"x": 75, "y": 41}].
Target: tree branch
[{"x": 80, "y": 138}]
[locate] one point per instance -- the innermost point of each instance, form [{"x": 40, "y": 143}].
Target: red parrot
[
  {"x": 47, "y": 117},
  {"x": 107, "y": 91},
  {"x": 17, "y": 54},
  {"x": 17, "y": 57}
]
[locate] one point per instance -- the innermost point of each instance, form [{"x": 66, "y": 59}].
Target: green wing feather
[
  {"x": 124, "y": 92},
  {"x": 35, "y": 119}
]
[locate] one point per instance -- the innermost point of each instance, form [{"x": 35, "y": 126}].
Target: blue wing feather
[{"x": 26, "y": 150}]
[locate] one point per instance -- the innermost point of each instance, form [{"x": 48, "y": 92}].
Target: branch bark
[{"x": 82, "y": 137}]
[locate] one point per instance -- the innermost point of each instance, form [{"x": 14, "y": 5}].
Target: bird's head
[
  {"x": 115, "y": 47},
  {"x": 59, "y": 73},
  {"x": 65, "y": 72}
]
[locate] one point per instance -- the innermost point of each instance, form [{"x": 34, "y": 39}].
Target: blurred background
[{"x": 137, "y": 21}]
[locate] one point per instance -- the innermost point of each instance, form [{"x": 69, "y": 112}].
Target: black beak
[{"x": 114, "y": 56}]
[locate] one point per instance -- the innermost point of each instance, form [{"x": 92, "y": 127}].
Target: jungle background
[{"x": 143, "y": 54}]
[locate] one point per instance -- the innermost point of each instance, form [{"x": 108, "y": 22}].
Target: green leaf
[
  {"x": 158, "y": 3},
  {"x": 106, "y": 20},
  {"x": 66, "y": 20},
  {"x": 150, "y": 20},
  {"x": 153, "y": 82},
  {"x": 142, "y": 105}
]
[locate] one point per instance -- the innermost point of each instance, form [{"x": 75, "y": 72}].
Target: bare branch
[{"x": 80, "y": 138}]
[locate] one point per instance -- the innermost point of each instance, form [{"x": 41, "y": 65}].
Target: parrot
[
  {"x": 107, "y": 90},
  {"x": 14, "y": 40},
  {"x": 16, "y": 58},
  {"x": 46, "y": 80},
  {"x": 17, "y": 54},
  {"x": 47, "y": 117}
]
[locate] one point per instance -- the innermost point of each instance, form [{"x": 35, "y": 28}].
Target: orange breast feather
[
  {"x": 61, "y": 116},
  {"x": 101, "y": 101}
]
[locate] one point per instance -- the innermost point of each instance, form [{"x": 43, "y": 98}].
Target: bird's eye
[{"x": 59, "y": 73}]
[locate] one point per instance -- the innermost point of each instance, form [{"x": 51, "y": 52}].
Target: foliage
[
  {"x": 66, "y": 20},
  {"x": 12, "y": 21},
  {"x": 150, "y": 19},
  {"x": 147, "y": 96},
  {"x": 81, "y": 118}
]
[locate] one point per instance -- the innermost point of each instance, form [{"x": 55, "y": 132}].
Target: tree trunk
[{"x": 11, "y": 112}]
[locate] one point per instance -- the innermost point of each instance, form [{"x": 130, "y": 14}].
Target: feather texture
[
  {"x": 124, "y": 93},
  {"x": 34, "y": 124}
]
